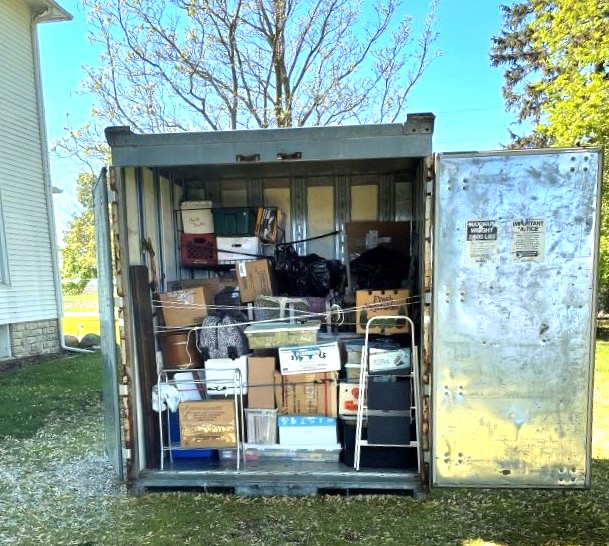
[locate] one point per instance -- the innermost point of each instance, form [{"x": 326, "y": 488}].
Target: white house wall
[{"x": 29, "y": 294}]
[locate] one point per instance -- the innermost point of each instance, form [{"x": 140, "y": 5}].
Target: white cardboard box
[
  {"x": 220, "y": 375},
  {"x": 348, "y": 396},
  {"x": 323, "y": 357},
  {"x": 300, "y": 430},
  {"x": 230, "y": 249},
  {"x": 197, "y": 217}
]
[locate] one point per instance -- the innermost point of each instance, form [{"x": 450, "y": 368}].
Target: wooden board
[{"x": 143, "y": 330}]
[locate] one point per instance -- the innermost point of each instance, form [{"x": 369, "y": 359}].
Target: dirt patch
[{"x": 14, "y": 363}]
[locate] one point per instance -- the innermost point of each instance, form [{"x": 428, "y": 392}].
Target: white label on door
[
  {"x": 528, "y": 240},
  {"x": 481, "y": 243}
]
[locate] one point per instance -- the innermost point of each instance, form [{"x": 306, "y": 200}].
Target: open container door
[
  {"x": 515, "y": 254},
  {"x": 109, "y": 349}
]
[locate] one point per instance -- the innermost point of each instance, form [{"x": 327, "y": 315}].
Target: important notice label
[
  {"x": 481, "y": 242},
  {"x": 528, "y": 240}
]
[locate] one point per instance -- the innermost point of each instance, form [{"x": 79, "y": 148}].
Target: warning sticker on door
[
  {"x": 528, "y": 240},
  {"x": 481, "y": 243}
]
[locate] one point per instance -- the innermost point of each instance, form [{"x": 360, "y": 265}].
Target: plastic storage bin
[
  {"x": 234, "y": 221},
  {"x": 235, "y": 249},
  {"x": 271, "y": 335},
  {"x": 198, "y": 250},
  {"x": 279, "y": 307},
  {"x": 261, "y": 426}
]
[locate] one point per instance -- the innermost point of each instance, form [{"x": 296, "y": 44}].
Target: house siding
[{"x": 29, "y": 295}]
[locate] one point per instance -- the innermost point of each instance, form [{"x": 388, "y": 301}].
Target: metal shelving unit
[{"x": 167, "y": 377}]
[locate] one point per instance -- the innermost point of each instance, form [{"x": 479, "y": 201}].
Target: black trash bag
[
  {"x": 379, "y": 268},
  {"x": 290, "y": 272},
  {"x": 317, "y": 275}
]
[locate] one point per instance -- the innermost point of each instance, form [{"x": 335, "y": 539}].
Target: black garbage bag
[
  {"x": 379, "y": 268},
  {"x": 317, "y": 275}
]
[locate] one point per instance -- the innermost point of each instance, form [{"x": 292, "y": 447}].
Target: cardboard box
[
  {"x": 306, "y": 394},
  {"x": 187, "y": 307},
  {"x": 300, "y": 430},
  {"x": 254, "y": 279},
  {"x": 260, "y": 372},
  {"x": 212, "y": 286},
  {"x": 324, "y": 357},
  {"x": 348, "y": 396},
  {"x": 208, "y": 423},
  {"x": 220, "y": 375},
  {"x": 380, "y": 303},
  {"x": 197, "y": 217},
  {"x": 393, "y": 235},
  {"x": 235, "y": 249}
]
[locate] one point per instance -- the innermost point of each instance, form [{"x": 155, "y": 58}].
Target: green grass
[
  {"x": 80, "y": 302},
  {"x": 55, "y": 489},
  {"x": 65, "y": 387}
]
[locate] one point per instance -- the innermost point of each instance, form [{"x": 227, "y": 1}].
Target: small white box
[
  {"x": 324, "y": 357},
  {"x": 382, "y": 361},
  {"x": 234, "y": 249},
  {"x": 220, "y": 375},
  {"x": 348, "y": 398},
  {"x": 197, "y": 217},
  {"x": 301, "y": 430}
]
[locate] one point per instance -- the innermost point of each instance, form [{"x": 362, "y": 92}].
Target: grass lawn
[
  {"x": 56, "y": 487},
  {"x": 80, "y": 314}
]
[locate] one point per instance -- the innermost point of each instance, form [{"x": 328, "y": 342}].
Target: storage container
[
  {"x": 388, "y": 429},
  {"x": 389, "y": 395},
  {"x": 198, "y": 250},
  {"x": 280, "y": 307},
  {"x": 197, "y": 217},
  {"x": 302, "y": 430},
  {"x": 322, "y": 357},
  {"x": 271, "y": 335},
  {"x": 304, "y": 454},
  {"x": 354, "y": 348},
  {"x": 261, "y": 426},
  {"x": 220, "y": 375},
  {"x": 179, "y": 349},
  {"x": 234, "y": 249},
  {"x": 492, "y": 238},
  {"x": 234, "y": 221}
]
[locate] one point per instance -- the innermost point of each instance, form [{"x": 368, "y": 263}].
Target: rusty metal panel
[{"x": 515, "y": 252}]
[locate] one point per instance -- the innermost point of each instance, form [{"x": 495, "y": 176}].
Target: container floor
[{"x": 277, "y": 477}]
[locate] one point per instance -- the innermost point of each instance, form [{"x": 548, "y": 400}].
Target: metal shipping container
[{"x": 505, "y": 247}]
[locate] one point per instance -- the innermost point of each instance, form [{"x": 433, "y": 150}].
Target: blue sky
[{"x": 460, "y": 86}]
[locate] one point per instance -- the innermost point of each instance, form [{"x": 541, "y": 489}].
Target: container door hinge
[
  {"x": 126, "y": 454},
  {"x": 123, "y": 390},
  {"x": 427, "y": 298}
]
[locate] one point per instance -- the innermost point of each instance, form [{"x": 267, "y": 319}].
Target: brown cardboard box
[
  {"x": 208, "y": 423},
  {"x": 254, "y": 279},
  {"x": 213, "y": 285},
  {"x": 187, "y": 307},
  {"x": 379, "y": 303},
  {"x": 393, "y": 235},
  {"x": 260, "y": 371},
  {"x": 306, "y": 394},
  {"x": 348, "y": 397}
]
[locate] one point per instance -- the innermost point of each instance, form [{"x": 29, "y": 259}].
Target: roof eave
[{"x": 46, "y": 11}]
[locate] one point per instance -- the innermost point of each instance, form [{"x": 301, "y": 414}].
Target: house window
[{"x": 4, "y": 275}]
